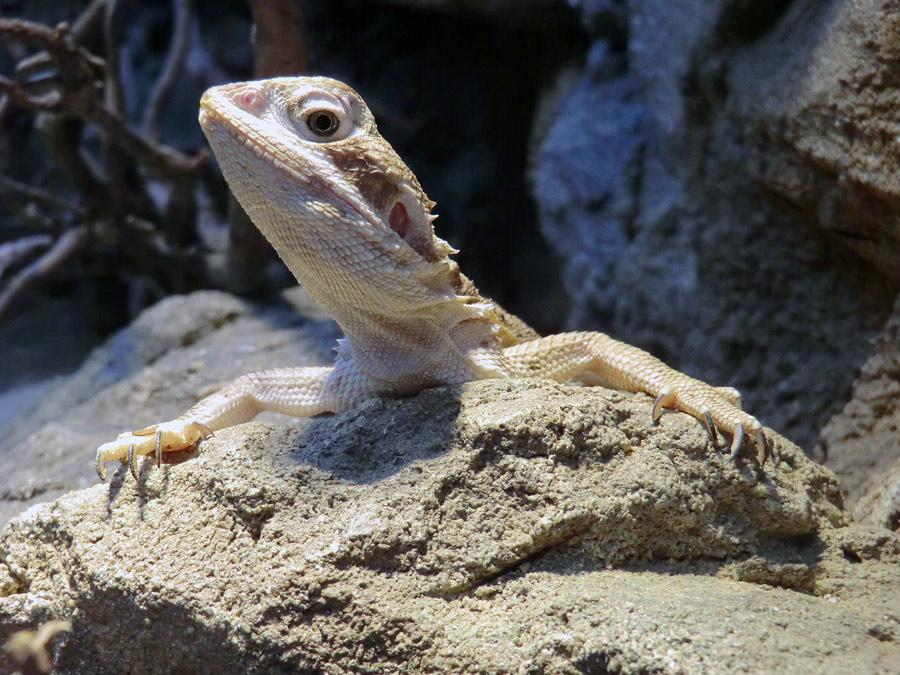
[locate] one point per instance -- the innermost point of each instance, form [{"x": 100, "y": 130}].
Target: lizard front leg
[
  {"x": 293, "y": 391},
  {"x": 621, "y": 366}
]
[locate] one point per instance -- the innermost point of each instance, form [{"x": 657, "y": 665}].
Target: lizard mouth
[
  {"x": 220, "y": 120},
  {"x": 407, "y": 217}
]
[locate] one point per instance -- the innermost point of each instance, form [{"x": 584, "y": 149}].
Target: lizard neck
[{"x": 407, "y": 352}]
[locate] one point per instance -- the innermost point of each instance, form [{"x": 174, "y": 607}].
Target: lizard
[{"x": 305, "y": 160}]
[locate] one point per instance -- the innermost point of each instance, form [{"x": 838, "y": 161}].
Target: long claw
[
  {"x": 205, "y": 429},
  {"x": 763, "y": 449},
  {"x": 664, "y": 399},
  {"x": 737, "y": 442},
  {"x": 131, "y": 463},
  {"x": 710, "y": 427},
  {"x": 101, "y": 467},
  {"x": 158, "y": 447}
]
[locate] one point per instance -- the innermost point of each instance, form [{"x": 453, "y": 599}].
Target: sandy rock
[
  {"x": 862, "y": 442},
  {"x": 501, "y": 526},
  {"x": 153, "y": 370}
]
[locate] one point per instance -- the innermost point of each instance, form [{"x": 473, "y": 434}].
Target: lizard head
[{"x": 305, "y": 160}]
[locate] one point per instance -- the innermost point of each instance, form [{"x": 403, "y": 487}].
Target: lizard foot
[
  {"x": 173, "y": 436},
  {"x": 718, "y": 408}
]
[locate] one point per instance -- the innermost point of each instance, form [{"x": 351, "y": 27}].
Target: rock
[
  {"x": 500, "y": 526},
  {"x": 821, "y": 122},
  {"x": 862, "y": 442},
  {"x": 172, "y": 355},
  {"x": 880, "y": 503},
  {"x": 669, "y": 182}
]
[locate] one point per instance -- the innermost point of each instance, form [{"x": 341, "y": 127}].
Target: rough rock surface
[
  {"x": 501, "y": 526},
  {"x": 155, "y": 369},
  {"x": 823, "y": 128},
  {"x": 706, "y": 179},
  {"x": 862, "y": 442}
]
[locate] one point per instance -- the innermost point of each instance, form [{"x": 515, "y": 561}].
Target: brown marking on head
[{"x": 370, "y": 163}]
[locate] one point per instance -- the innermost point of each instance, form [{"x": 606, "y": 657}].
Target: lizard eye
[
  {"x": 322, "y": 122},
  {"x": 322, "y": 118}
]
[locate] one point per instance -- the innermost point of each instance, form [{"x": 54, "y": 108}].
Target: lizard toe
[
  {"x": 173, "y": 436},
  {"x": 764, "y": 448},
  {"x": 665, "y": 399},
  {"x": 131, "y": 465}
]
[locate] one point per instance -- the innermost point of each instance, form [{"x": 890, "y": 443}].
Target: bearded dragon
[{"x": 306, "y": 162}]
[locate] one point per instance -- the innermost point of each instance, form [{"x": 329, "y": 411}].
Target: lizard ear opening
[
  {"x": 399, "y": 220},
  {"x": 409, "y": 220}
]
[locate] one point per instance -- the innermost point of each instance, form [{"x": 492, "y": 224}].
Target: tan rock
[{"x": 501, "y": 526}]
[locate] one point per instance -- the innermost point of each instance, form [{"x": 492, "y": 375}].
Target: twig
[
  {"x": 122, "y": 175},
  {"x": 69, "y": 243},
  {"x": 279, "y": 42},
  {"x": 160, "y": 160},
  {"x": 78, "y": 69},
  {"x": 63, "y": 136},
  {"x": 8, "y": 184},
  {"x": 113, "y": 90},
  {"x": 5, "y": 107},
  {"x": 12, "y": 252},
  {"x": 165, "y": 83},
  {"x": 17, "y": 94},
  {"x": 86, "y": 27}
]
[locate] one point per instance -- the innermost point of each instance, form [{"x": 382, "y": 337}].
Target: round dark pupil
[{"x": 323, "y": 122}]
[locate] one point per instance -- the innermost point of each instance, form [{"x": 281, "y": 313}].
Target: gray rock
[
  {"x": 501, "y": 526},
  {"x": 582, "y": 179},
  {"x": 661, "y": 184},
  {"x": 862, "y": 442},
  {"x": 153, "y": 370},
  {"x": 821, "y": 122}
]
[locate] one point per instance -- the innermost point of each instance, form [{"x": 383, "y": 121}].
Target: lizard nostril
[{"x": 248, "y": 98}]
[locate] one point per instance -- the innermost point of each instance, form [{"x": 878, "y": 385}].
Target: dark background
[{"x": 454, "y": 92}]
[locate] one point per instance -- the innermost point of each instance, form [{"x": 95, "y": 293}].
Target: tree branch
[
  {"x": 13, "y": 252},
  {"x": 33, "y": 193},
  {"x": 69, "y": 243},
  {"x": 165, "y": 83}
]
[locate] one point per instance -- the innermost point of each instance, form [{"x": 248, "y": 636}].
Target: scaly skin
[{"x": 305, "y": 160}]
